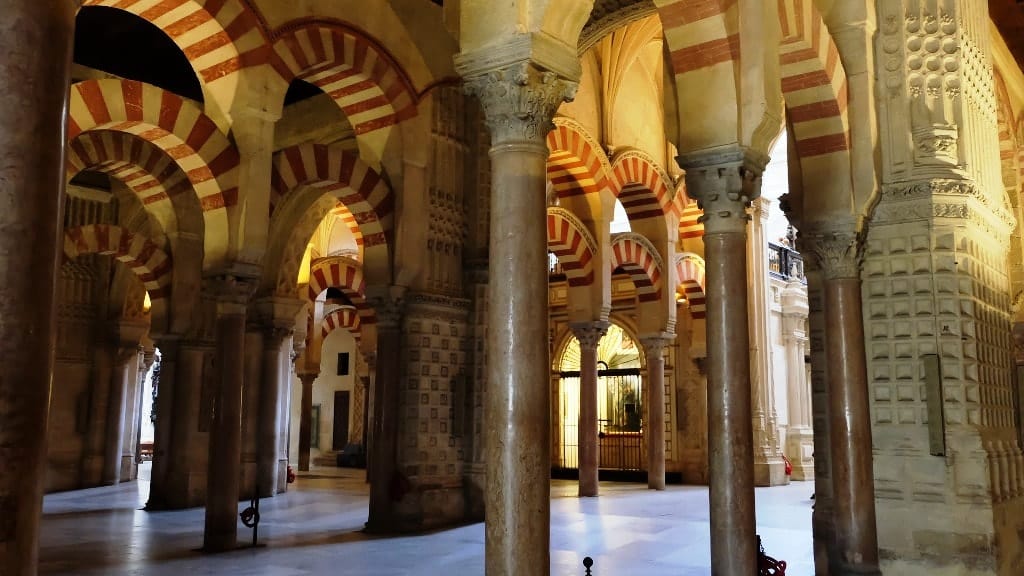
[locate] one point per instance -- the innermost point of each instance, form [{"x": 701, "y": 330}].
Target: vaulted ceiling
[{"x": 1009, "y": 18}]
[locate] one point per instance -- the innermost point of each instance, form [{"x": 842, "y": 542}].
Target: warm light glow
[
  {"x": 304, "y": 267},
  {"x": 146, "y": 303}
]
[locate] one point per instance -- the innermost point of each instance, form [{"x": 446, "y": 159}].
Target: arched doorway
[{"x": 620, "y": 405}]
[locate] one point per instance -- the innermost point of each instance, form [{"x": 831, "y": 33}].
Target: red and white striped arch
[
  {"x": 345, "y": 275},
  {"x": 366, "y": 82},
  {"x": 219, "y": 37},
  {"x": 341, "y": 173},
  {"x": 700, "y": 34},
  {"x": 689, "y": 214},
  {"x": 813, "y": 81},
  {"x": 346, "y": 317},
  {"x": 577, "y": 164},
  {"x": 573, "y": 244},
  {"x": 1009, "y": 152},
  {"x": 350, "y": 222},
  {"x": 144, "y": 168},
  {"x": 644, "y": 189},
  {"x": 690, "y": 278},
  {"x": 145, "y": 259},
  {"x": 177, "y": 127},
  {"x": 638, "y": 258}
]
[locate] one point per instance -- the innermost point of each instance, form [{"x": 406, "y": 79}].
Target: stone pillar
[
  {"x": 654, "y": 350},
  {"x": 821, "y": 518},
  {"x": 369, "y": 417},
  {"x": 769, "y": 467},
  {"x": 186, "y": 480},
  {"x": 382, "y": 467},
  {"x": 269, "y": 426},
  {"x": 163, "y": 427},
  {"x": 853, "y": 488},
  {"x": 799, "y": 436},
  {"x": 125, "y": 376},
  {"x": 35, "y": 40},
  {"x": 306, "y": 419},
  {"x": 94, "y": 445},
  {"x": 724, "y": 182},
  {"x": 224, "y": 466},
  {"x": 589, "y": 335},
  {"x": 519, "y": 102}
]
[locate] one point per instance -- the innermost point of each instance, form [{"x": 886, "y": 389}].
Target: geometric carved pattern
[
  {"x": 644, "y": 189},
  {"x": 346, "y": 317},
  {"x": 690, "y": 275},
  {"x": 638, "y": 258},
  {"x": 346, "y": 275},
  {"x": 147, "y": 261},
  {"x": 577, "y": 164},
  {"x": 371, "y": 88},
  {"x": 340, "y": 173},
  {"x": 813, "y": 80},
  {"x": 570, "y": 240}
]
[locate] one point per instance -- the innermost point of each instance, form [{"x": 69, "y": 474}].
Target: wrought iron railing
[{"x": 785, "y": 263}]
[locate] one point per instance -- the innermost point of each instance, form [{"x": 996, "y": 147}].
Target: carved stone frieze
[
  {"x": 838, "y": 253},
  {"x": 519, "y": 101},
  {"x": 724, "y": 182},
  {"x": 439, "y": 306},
  {"x": 589, "y": 334}
]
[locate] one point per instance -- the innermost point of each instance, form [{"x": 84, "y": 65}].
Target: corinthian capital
[
  {"x": 723, "y": 181},
  {"x": 520, "y": 100},
  {"x": 589, "y": 334},
  {"x": 837, "y": 253},
  {"x": 655, "y": 344}
]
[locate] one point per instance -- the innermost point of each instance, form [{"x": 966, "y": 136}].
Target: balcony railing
[{"x": 785, "y": 263}]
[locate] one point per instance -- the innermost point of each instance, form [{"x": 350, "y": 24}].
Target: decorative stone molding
[
  {"x": 519, "y": 101},
  {"x": 942, "y": 198},
  {"x": 231, "y": 292},
  {"x": 724, "y": 181},
  {"x": 655, "y": 344},
  {"x": 438, "y": 306},
  {"x": 589, "y": 334},
  {"x": 838, "y": 253},
  {"x": 610, "y": 15},
  {"x": 390, "y": 310}
]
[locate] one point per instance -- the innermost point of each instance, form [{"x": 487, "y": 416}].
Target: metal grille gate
[{"x": 620, "y": 420}]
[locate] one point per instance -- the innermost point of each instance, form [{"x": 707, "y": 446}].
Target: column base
[
  {"x": 423, "y": 507},
  {"x": 475, "y": 485},
  {"x": 770, "y": 473}
]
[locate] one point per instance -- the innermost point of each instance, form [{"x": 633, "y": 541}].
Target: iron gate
[{"x": 620, "y": 420}]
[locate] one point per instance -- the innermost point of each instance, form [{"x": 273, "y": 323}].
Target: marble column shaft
[
  {"x": 519, "y": 102},
  {"x": 35, "y": 40},
  {"x": 163, "y": 426},
  {"x": 724, "y": 183},
  {"x": 589, "y": 335},
  {"x": 654, "y": 350},
  {"x": 269, "y": 424},
  {"x": 125, "y": 375},
  {"x": 183, "y": 473},
  {"x": 94, "y": 447},
  {"x": 382, "y": 466},
  {"x": 853, "y": 488},
  {"x": 224, "y": 465},
  {"x": 306, "y": 419}
]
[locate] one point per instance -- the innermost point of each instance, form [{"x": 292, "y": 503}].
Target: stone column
[
  {"x": 799, "y": 436},
  {"x": 35, "y": 40},
  {"x": 853, "y": 488},
  {"x": 724, "y": 182},
  {"x": 382, "y": 468},
  {"x": 589, "y": 335},
  {"x": 269, "y": 427},
  {"x": 222, "y": 479},
  {"x": 306, "y": 419},
  {"x": 125, "y": 375},
  {"x": 519, "y": 102},
  {"x": 654, "y": 350},
  {"x": 163, "y": 427},
  {"x": 185, "y": 478}
]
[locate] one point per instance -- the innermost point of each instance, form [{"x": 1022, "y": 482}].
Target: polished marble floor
[{"x": 314, "y": 530}]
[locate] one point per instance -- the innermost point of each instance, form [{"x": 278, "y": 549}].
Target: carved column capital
[
  {"x": 275, "y": 335},
  {"x": 519, "y": 101},
  {"x": 389, "y": 309},
  {"x": 231, "y": 292},
  {"x": 837, "y": 253},
  {"x": 655, "y": 344},
  {"x": 724, "y": 182},
  {"x": 589, "y": 334}
]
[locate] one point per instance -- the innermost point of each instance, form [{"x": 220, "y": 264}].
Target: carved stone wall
[
  {"x": 431, "y": 455},
  {"x": 447, "y": 232}
]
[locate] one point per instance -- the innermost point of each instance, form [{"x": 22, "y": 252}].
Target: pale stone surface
[{"x": 314, "y": 529}]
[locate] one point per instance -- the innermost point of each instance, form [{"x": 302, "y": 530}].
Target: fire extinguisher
[{"x": 789, "y": 465}]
